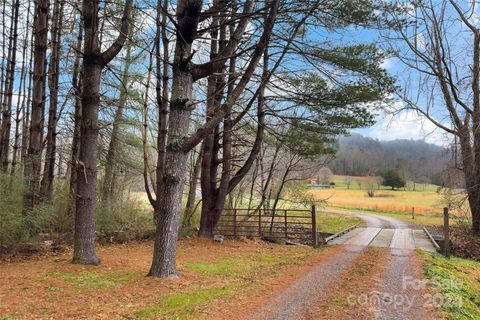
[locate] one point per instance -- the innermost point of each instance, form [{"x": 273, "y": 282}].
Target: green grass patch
[
  {"x": 92, "y": 279},
  {"x": 420, "y": 219},
  {"x": 223, "y": 267},
  {"x": 54, "y": 289},
  {"x": 335, "y": 222},
  {"x": 181, "y": 305},
  {"x": 239, "y": 266},
  {"x": 275, "y": 260},
  {"x": 459, "y": 281}
]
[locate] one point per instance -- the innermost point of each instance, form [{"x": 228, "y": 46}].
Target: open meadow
[
  {"x": 351, "y": 193},
  {"x": 425, "y": 198}
]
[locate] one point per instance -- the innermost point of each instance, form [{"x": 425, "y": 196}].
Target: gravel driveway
[{"x": 398, "y": 295}]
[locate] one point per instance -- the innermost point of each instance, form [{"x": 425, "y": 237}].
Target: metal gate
[{"x": 289, "y": 225}]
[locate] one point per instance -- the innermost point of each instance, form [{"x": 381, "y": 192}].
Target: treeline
[
  {"x": 415, "y": 160},
  {"x": 234, "y": 98}
]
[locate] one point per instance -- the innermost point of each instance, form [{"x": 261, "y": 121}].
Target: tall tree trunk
[
  {"x": 211, "y": 212},
  {"x": 161, "y": 88},
  {"x": 173, "y": 178},
  {"x": 76, "y": 87},
  {"x": 93, "y": 63},
  {"x": 192, "y": 194},
  {"x": 146, "y": 165},
  {"x": 111, "y": 158},
  {"x": 4, "y": 56},
  {"x": 474, "y": 188},
  {"x": 34, "y": 153},
  {"x": 173, "y": 165},
  {"x": 471, "y": 167},
  {"x": 22, "y": 100},
  {"x": 27, "y": 109},
  {"x": 178, "y": 142},
  {"x": 8, "y": 93},
  {"x": 53, "y": 77},
  {"x": 84, "y": 244},
  {"x": 216, "y": 197},
  {"x": 211, "y": 145}
]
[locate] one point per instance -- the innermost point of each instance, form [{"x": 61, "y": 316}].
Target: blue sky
[{"x": 404, "y": 124}]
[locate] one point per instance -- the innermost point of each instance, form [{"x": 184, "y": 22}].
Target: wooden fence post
[
  {"x": 413, "y": 213},
  {"x": 314, "y": 227},
  {"x": 446, "y": 233},
  {"x": 260, "y": 223},
  {"x": 286, "y": 224},
  {"x": 235, "y": 222}
]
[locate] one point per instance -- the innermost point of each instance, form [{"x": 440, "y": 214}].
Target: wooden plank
[
  {"x": 235, "y": 222},
  {"x": 383, "y": 239},
  {"x": 435, "y": 244},
  {"x": 446, "y": 233},
  {"x": 403, "y": 239},
  {"x": 338, "y": 234},
  {"x": 314, "y": 227},
  {"x": 364, "y": 238}
]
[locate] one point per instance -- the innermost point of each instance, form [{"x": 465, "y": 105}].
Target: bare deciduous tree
[{"x": 440, "y": 43}]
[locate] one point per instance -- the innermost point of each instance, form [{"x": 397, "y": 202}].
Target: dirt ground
[
  {"x": 46, "y": 287},
  {"x": 241, "y": 279}
]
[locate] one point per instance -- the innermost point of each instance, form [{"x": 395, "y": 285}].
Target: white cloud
[
  {"x": 388, "y": 63},
  {"x": 406, "y": 125}
]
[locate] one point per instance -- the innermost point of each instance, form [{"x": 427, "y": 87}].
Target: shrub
[
  {"x": 190, "y": 228},
  {"x": 127, "y": 220},
  {"x": 12, "y": 226},
  {"x": 371, "y": 193}
]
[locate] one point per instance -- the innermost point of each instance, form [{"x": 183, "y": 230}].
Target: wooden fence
[{"x": 296, "y": 226}]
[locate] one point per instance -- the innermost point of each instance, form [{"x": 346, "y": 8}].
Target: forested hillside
[{"x": 414, "y": 159}]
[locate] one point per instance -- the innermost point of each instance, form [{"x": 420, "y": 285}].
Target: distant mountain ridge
[{"x": 415, "y": 159}]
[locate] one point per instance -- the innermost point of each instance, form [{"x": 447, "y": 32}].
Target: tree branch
[{"x": 117, "y": 45}]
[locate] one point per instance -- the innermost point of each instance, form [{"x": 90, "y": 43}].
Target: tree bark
[
  {"x": 93, "y": 63},
  {"x": 8, "y": 91},
  {"x": 34, "y": 153},
  {"x": 181, "y": 105},
  {"x": 21, "y": 104},
  {"x": 211, "y": 144},
  {"x": 192, "y": 194},
  {"x": 4, "y": 56},
  {"x": 212, "y": 208},
  {"x": 161, "y": 88},
  {"x": 53, "y": 77},
  {"x": 76, "y": 87},
  {"x": 84, "y": 244},
  {"x": 27, "y": 109},
  {"x": 170, "y": 182},
  {"x": 146, "y": 165}
]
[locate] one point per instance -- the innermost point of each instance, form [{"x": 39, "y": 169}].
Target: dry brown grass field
[
  {"x": 426, "y": 199},
  {"x": 384, "y": 200}
]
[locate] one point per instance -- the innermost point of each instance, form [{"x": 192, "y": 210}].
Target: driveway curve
[{"x": 396, "y": 300}]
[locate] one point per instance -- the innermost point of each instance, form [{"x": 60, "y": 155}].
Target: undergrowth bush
[
  {"x": 190, "y": 229},
  {"x": 12, "y": 226},
  {"x": 127, "y": 220}
]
